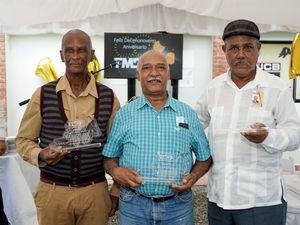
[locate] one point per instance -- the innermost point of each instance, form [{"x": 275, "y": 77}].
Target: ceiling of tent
[{"x": 198, "y": 17}]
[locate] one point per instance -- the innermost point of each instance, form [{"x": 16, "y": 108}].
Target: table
[
  {"x": 18, "y": 180},
  {"x": 292, "y": 186}
]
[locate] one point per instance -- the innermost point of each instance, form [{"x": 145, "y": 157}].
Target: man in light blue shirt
[{"x": 150, "y": 151}]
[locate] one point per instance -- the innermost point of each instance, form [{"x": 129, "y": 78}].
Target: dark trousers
[
  {"x": 3, "y": 219},
  {"x": 268, "y": 215}
]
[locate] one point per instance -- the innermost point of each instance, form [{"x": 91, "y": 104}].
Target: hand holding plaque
[{"x": 79, "y": 135}]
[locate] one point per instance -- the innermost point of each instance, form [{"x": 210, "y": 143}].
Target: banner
[{"x": 126, "y": 48}]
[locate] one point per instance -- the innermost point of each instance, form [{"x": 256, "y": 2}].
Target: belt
[
  {"x": 74, "y": 185},
  {"x": 154, "y": 199}
]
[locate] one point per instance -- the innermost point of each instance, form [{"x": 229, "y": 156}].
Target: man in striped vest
[{"x": 73, "y": 188}]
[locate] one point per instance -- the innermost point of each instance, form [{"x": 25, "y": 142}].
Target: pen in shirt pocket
[
  {"x": 184, "y": 125},
  {"x": 181, "y": 122}
]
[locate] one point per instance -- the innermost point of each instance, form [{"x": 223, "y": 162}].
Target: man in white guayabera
[{"x": 252, "y": 119}]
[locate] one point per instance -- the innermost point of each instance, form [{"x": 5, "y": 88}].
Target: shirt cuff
[
  {"x": 269, "y": 141},
  {"x": 111, "y": 153},
  {"x": 35, "y": 158}
]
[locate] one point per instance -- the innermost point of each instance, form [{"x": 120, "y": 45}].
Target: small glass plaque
[
  {"x": 167, "y": 169},
  {"x": 78, "y": 135}
]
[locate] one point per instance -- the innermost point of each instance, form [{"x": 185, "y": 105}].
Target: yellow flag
[
  {"x": 45, "y": 69},
  {"x": 295, "y": 58}
]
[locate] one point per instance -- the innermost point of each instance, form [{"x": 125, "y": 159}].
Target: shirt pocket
[
  {"x": 259, "y": 115},
  {"x": 217, "y": 114},
  {"x": 182, "y": 142}
]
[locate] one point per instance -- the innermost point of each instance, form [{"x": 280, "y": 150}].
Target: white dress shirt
[{"x": 244, "y": 174}]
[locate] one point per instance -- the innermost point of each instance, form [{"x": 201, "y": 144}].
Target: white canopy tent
[{"x": 196, "y": 17}]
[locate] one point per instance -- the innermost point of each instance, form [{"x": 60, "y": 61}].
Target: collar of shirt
[
  {"x": 171, "y": 102},
  {"x": 258, "y": 80},
  {"x": 64, "y": 85}
]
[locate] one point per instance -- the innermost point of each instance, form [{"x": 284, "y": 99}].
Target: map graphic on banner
[{"x": 126, "y": 48}]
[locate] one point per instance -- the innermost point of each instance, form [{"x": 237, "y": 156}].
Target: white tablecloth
[
  {"x": 292, "y": 183},
  {"x": 18, "y": 180}
]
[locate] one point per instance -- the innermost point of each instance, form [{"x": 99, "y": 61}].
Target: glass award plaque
[
  {"x": 167, "y": 169},
  {"x": 78, "y": 135}
]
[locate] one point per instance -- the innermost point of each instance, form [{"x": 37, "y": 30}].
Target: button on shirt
[
  {"x": 245, "y": 174},
  {"x": 155, "y": 144}
]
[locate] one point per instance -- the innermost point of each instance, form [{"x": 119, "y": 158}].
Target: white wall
[
  {"x": 24, "y": 52},
  {"x": 285, "y": 36},
  {"x": 197, "y": 64}
]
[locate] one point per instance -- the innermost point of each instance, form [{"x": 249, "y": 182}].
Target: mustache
[
  {"x": 154, "y": 79},
  {"x": 240, "y": 62}
]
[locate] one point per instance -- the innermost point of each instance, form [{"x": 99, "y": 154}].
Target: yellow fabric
[
  {"x": 295, "y": 58},
  {"x": 61, "y": 205},
  {"x": 93, "y": 67},
  {"x": 46, "y": 70}
]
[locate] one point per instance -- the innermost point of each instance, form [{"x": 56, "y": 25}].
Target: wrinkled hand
[
  {"x": 258, "y": 135},
  {"x": 188, "y": 181},
  {"x": 114, "y": 205},
  {"x": 2, "y": 147},
  {"x": 52, "y": 155},
  {"x": 126, "y": 176}
]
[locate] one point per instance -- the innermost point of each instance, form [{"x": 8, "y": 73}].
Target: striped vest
[{"x": 78, "y": 167}]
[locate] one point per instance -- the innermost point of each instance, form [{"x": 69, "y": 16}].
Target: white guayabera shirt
[{"x": 244, "y": 174}]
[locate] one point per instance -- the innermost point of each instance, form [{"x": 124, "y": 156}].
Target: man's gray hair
[{"x": 146, "y": 53}]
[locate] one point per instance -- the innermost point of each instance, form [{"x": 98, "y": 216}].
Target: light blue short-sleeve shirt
[{"x": 158, "y": 145}]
